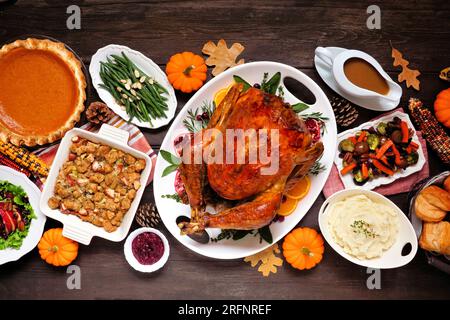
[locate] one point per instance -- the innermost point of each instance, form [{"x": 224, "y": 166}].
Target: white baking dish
[{"x": 74, "y": 228}]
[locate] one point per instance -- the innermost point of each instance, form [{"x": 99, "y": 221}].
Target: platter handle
[
  {"x": 321, "y": 98},
  {"x": 115, "y": 134},
  {"x": 77, "y": 234}
]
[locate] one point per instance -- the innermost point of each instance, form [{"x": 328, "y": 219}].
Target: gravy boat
[{"x": 336, "y": 64}]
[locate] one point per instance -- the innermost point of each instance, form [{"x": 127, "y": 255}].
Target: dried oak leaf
[
  {"x": 269, "y": 260},
  {"x": 221, "y": 57},
  {"x": 407, "y": 74}
]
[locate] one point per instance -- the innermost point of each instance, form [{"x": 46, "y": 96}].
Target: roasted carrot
[
  {"x": 382, "y": 168},
  {"x": 384, "y": 160},
  {"x": 408, "y": 149},
  {"x": 348, "y": 168},
  {"x": 353, "y": 140},
  {"x": 362, "y": 136},
  {"x": 364, "y": 171},
  {"x": 384, "y": 148},
  {"x": 414, "y": 145},
  {"x": 405, "y": 131},
  {"x": 397, "y": 155}
]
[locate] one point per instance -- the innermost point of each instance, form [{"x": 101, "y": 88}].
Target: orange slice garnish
[
  {"x": 287, "y": 206},
  {"x": 218, "y": 97},
  {"x": 300, "y": 190}
]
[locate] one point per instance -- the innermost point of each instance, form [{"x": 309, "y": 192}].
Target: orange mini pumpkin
[
  {"x": 186, "y": 71},
  {"x": 56, "y": 249},
  {"x": 303, "y": 248},
  {"x": 442, "y": 107}
]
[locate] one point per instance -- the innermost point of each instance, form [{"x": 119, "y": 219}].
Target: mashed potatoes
[{"x": 363, "y": 227}]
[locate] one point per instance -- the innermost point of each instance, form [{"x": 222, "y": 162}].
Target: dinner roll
[
  {"x": 427, "y": 211},
  {"x": 447, "y": 184},
  {"x": 436, "y": 237},
  {"x": 437, "y": 197}
]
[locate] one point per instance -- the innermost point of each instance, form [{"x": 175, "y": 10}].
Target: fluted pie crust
[{"x": 42, "y": 91}]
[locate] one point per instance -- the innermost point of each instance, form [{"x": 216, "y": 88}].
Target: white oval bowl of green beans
[{"x": 133, "y": 86}]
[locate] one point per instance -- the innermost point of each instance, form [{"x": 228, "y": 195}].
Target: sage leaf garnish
[
  {"x": 266, "y": 234},
  {"x": 172, "y": 159},
  {"x": 300, "y": 107},
  {"x": 271, "y": 86},
  {"x": 238, "y": 79}
]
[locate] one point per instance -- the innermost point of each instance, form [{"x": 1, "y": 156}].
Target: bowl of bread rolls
[{"x": 430, "y": 215}]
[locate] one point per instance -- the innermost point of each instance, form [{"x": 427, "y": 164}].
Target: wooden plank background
[{"x": 284, "y": 31}]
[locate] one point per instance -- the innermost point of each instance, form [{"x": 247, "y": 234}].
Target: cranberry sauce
[{"x": 147, "y": 248}]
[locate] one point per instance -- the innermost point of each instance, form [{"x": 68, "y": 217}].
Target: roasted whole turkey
[{"x": 256, "y": 187}]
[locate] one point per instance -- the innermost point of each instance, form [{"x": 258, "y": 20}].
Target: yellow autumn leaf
[
  {"x": 221, "y": 56},
  {"x": 268, "y": 259}
]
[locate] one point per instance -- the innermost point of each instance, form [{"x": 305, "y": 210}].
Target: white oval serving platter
[
  {"x": 146, "y": 65},
  {"x": 169, "y": 209}
]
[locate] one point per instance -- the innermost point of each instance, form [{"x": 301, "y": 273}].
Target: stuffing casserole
[{"x": 97, "y": 183}]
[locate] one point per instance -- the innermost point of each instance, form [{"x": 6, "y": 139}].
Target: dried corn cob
[
  {"x": 24, "y": 158},
  {"x": 5, "y": 161},
  {"x": 433, "y": 132}
]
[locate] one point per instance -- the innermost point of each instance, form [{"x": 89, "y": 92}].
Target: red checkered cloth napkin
[
  {"x": 136, "y": 141},
  {"x": 334, "y": 182}
]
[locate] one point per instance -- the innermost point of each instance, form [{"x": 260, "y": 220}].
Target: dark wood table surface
[{"x": 284, "y": 31}]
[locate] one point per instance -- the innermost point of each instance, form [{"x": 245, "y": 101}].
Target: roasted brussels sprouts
[
  {"x": 346, "y": 145},
  {"x": 358, "y": 178},
  {"x": 373, "y": 141},
  {"x": 412, "y": 158},
  {"x": 381, "y": 128}
]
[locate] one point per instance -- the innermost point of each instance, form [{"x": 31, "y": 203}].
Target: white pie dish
[
  {"x": 74, "y": 228},
  {"x": 391, "y": 258},
  {"x": 129, "y": 256},
  {"x": 347, "y": 179},
  {"x": 146, "y": 65},
  {"x": 37, "y": 224}
]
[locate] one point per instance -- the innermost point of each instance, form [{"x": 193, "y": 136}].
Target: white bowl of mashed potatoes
[{"x": 367, "y": 229}]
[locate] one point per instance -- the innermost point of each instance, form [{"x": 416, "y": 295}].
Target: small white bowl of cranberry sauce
[{"x": 146, "y": 249}]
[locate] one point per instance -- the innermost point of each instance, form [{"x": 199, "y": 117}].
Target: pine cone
[
  {"x": 98, "y": 112},
  {"x": 344, "y": 111},
  {"x": 148, "y": 216}
]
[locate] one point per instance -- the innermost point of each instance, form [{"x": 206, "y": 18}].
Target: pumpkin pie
[{"x": 42, "y": 91}]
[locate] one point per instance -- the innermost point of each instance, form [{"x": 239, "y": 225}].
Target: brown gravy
[{"x": 364, "y": 75}]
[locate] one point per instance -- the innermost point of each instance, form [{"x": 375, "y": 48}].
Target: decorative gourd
[
  {"x": 442, "y": 107},
  {"x": 186, "y": 71},
  {"x": 303, "y": 248},
  {"x": 56, "y": 249}
]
